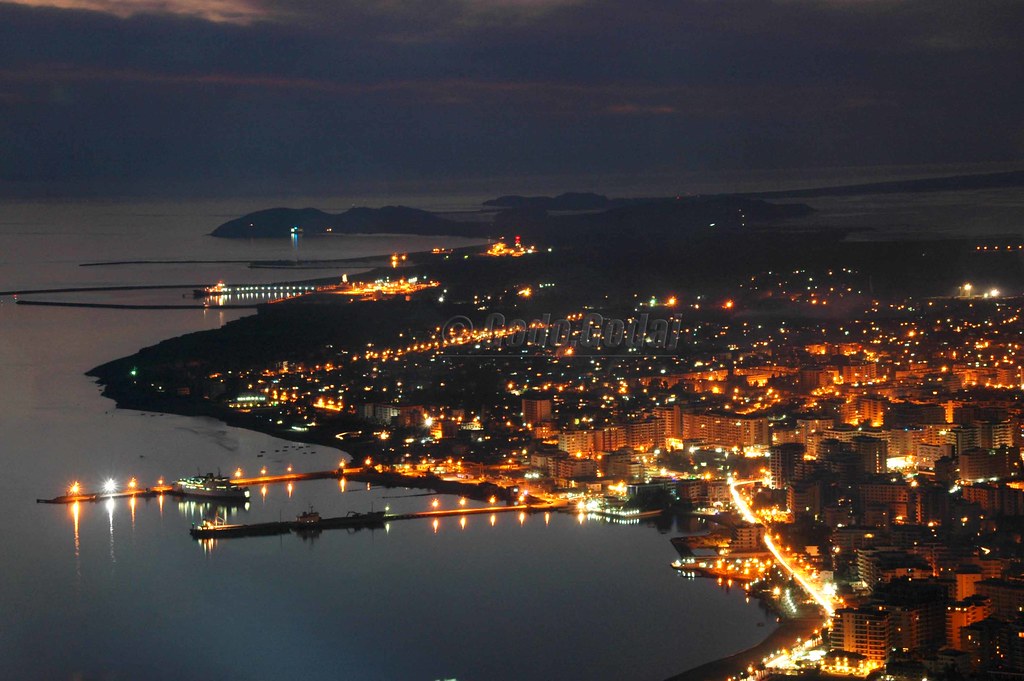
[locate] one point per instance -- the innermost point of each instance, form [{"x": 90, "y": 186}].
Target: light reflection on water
[
  {"x": 75, "y": 511},
  {"x": 110, "y": 515}
]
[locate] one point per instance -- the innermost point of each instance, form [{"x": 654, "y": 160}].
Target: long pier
[
  {"x": 141, "y": 493},
  {"x": 483, "y": 491},
  {"x": 156, "y": 490},
  {"x": 354, "y": 521}
]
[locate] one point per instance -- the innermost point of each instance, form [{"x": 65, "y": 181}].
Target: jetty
[
  {"x": 473, "y": 490},
  {"x": 356, "y": 521}
]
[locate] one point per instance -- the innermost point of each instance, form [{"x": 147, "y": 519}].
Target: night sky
[{"x": 105, "y": 97}]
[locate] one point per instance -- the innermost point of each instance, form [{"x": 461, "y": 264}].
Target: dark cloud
[{"x": 173, "y": 95}]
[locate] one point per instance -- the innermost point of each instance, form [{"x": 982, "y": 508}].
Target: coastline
[{"x": 783, "y": 637}]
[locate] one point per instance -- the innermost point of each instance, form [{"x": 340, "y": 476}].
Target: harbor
[{"x": 235, "y": 491}]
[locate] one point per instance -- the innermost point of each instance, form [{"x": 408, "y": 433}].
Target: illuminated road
[{"x": 814, "y": 592}]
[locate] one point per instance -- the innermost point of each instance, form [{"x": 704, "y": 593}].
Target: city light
[{"x": 744, "y": 508}]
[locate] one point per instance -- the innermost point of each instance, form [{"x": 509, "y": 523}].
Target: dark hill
[{"x": 278, "y": 222}]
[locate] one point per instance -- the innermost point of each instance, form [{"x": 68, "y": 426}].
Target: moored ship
[
  {"x": 211, "y": 486},
  {"x": 218, "y": 289},
  {"x": 309, "y": 517}
]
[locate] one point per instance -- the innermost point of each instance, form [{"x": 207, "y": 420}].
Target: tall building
[
  {"x": 928, "y": 454},
  {"x": 645, "y": 434},
  {"x": 843, "y": 432},
  {"x": 536, "y": 409},
  {"x": 917, "y": 614},
  {"x": 782, "y": 463},
  {"x": 813, "y": 377},
  {"x": 977, "y": 464},
  {"x": 570, "y": 467},
  {"x": 577, "y": 441},
  {"x": 1007, "y": 596},
  {"x": 810, "y": 426},
  {"x": 727, "y": 430},
  {"x": 904, "y": 441},
  {"x": 610, "y": 439},
  {"x": 996, "y": 499},
  {"x": 804, "y": 498},
  {"x": 967, "y": 578},
  {"x": 872, "y": 409},
  {"x": 894, "y": 496},
  {"x": 995, "y": 645},
  {"x": 962, "y": 614},
  {"x": 858, "y": 372},
  {"x": 669, "y": 417},
  {"x": 887, "y": 564},
  {"x": 864, "y": 631},
  {"x": 622, "y": 465},
  {"x": 903, "y": 414},
  {"x": 872, "y": 452},
  {"x": 747, "y": 537},
  {"x": 378, "y": 412}
]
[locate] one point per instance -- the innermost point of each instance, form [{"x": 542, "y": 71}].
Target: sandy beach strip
[{"x": 783, "y": 637}]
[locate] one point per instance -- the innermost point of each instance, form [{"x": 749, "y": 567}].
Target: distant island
[{"x": 281, "y": 222}]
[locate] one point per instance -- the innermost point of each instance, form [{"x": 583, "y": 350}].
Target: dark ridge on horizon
[
  {"x": 580, "y": 201},
  {"x": 1012, "y": 178},
  {"x": 565, "y": 201},
  {"x": 581, "y": 212}
]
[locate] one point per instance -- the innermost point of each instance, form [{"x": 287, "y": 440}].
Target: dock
[
  {"x": 208, "y": 530},
  {"x": 142, "y": 493},
  {"x": 356, "y": 521}
]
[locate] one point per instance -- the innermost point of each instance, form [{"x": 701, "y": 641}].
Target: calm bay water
[{"x": 120, "y": 591}]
